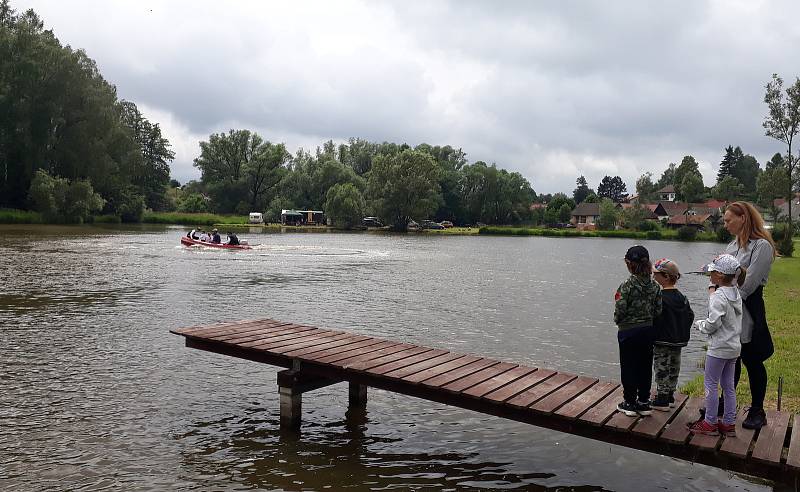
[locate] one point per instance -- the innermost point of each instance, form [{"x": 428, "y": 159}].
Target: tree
[
  {"x": 60, "y": 200},
  {"x": 728, "y": 189},
  {"x": 559, "y": 200},
  {"x": 645, "y": 187},
  {"x": 592, "y": 198},
  {"x": 782, "y": 123},
  {"x": 193, "y": 203},
  {"x": 772, "y": 184},
  {"x": 745, "y": 170},
  {"x": 345, "y": 205},
  {"x": 692, "y": 188},
  {"x": 564, "y": 213},
  {"x": 667, "y": 177},
  {"x": 609, "y": 215},
  {"x": 727, "y": 164},
  {"x": 612, "y": 188},
  {"x": 687, "y": 166},
  {"x": 634, "y": 217},
  {"x": 580, "y": 193},
  {"x": 403, "y": 186}
]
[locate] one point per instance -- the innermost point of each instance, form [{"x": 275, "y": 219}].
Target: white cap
[{"x": 725, "y": 264}]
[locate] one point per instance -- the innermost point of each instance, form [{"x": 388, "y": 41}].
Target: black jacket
[{"x": 674, "y": 324}]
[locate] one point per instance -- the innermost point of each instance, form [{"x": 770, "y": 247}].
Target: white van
[{"x": 256, "y": 218}]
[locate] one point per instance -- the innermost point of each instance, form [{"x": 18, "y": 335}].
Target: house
[
  {"x": 671, "y": 209},
  {"x": 302, "y": 217},
  {"x": 700, "y": 221},
  {"x": 783, "y": 205},
  {"x": 536, "y": 206},
  {"x": 585, "y": 214},
  {"x": 667, "y": 194}
]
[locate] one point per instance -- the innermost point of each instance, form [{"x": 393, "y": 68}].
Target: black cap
[{"x": 637, "y": 253}]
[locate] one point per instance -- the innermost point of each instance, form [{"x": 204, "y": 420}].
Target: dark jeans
[
  {"x": 757, "y": 374},
  {"x": 636, "y": 365}
]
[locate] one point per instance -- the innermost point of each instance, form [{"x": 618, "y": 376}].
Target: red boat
[{"x": 187, "y": 241}]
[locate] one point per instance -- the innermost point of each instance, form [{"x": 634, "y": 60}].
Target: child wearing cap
[
  {"x": 671, "y": 331},
  {"x": 724, "y": 328},
  {"x": 637, "y": 303}
]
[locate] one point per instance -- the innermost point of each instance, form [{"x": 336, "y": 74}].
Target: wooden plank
[
  {"x": 793, "y": 458},
  {"x": 370, "y": 354},
  {"x": 200, "y": 329},
  {"x": 479, "y": 377},
  {"x": 563, "y": 394},
  {"x": 621, "y": 422},
  {"x": 605, "y": 408},
  {"x": 229, "y": 333},
  {"x": 676, "y": 431},
  {"x": 769, "y": 443},
  {"x": 653, "y": 425},
  {"x": 313, "y": 342},
  {"x": 343, "y": 349},
  {"x": 441, "y": 369},
  {"x": 513, "y": 389},
  {"x": 260, "y": 334},
  {"x": 303, "y": 352},
  {"x": 706, "y": 443},
  {"x": 235, "y": 328},
  {"x": 296, "y": 333},
  {"x": 402, "y": 355},
  {"x": 535, "y": 393},
  {"x": 587, "y": 399},
  {"x": 413, "y": 356},
  {"x": 739, "y": 445},
  {"x": 497, "y": 382},
  {"x": 462, "y": 372},
  {"x": 431, "y": 362},
  {"x": 365, "y": 351}
]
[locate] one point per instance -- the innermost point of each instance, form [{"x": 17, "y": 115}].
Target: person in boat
[
  {"x": 215, "y": 237},
  {"x": 193, "y": 235},
  {"x": 204, "y": 236},
  {"x": 232, "y": 239}
]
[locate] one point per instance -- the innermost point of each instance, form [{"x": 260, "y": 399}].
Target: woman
[{"x": 754, "y": 248}]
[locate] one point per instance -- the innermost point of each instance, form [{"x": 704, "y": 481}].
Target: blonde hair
[{"x": 753, "y": 225}]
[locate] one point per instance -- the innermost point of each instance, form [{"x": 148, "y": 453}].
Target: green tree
[
  {"x": 745, "y": 170},
  {"x": 634, "y": 217},
  {"x": 612, "y": 188},
  {"x": 667, "y": 177},
  {"x": 60, "y": 200},
  {"x": 692, "y": 189},
  {"x": 580, "y": 193},
  {"x": 592, "y": 198},
  {"x": 404, "y": 186},
  {"x": 728, "y": 188},
  {"x": 727, "y": 164},
  {"x": 559, "y": 200},
  {"x": 645, "y": 187},
  {"x": 688, "y": 166},
  {"x": 772, "y": 184},
  {"x": 783, "y": 123},
  {"x": 345, "y": 205},
  {"x": 609, "y": 215},
  {"x": 564, "y": 213}
]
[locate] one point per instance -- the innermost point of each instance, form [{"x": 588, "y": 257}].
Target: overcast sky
[{"x": 551, "y": 89}]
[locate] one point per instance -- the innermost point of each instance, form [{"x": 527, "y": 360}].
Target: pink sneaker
[
  {"x": 728, "y": 430},
  {"x": 703, "y": 427}
]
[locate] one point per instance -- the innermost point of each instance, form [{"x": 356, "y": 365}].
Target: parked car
[
  {"x": 371, "y": 222},
  {"x": 412, "y": 226},
  {"x": 446, "y": 224},
  {"x": 429, "y": 224}
]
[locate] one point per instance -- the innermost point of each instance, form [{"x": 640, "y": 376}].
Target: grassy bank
[
  {"x": 530, "y": 231},
  {"x": 781, "y": 295},
  {"x": 191, "y": 219},
  {"x": 454, "y": 231},
  {"x": 14, "y": 216}
]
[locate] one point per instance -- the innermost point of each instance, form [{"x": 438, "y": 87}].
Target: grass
[
  {"x": 14, "y": 216},
  {"x": 782, "y": 297},
  {"x": 532, "y": 231},
  {"x": 454, "y": 231},
  {"x": 191, "y": 219}
]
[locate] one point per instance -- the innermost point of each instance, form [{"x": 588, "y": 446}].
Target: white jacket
[{"x": 724, "y": 323}]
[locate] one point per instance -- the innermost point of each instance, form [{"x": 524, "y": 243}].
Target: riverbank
[
  {"x": 781, "y": 296},
  {"x": 668, "y": 234}
]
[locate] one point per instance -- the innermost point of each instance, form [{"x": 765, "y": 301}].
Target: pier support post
[
  {"x": 291, "y": 385},
  {"x": 357, "y": 396}
]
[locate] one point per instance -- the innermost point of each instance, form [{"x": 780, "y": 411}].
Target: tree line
[{"x": 68, "y": 146}]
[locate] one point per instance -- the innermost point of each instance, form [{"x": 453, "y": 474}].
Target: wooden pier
[{"x": 580, "y": 405}]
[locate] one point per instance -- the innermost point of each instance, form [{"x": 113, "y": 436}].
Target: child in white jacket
[{"x": 724, "y": 328}]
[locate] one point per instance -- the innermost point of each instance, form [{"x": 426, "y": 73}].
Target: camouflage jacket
[{"x": 637, "y": 302}]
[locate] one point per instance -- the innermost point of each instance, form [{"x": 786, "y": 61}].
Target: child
[
  {"x": 638, "y": 301},
  {"x": 724, "y": 328},
  {"x": 671, "y": 331}
]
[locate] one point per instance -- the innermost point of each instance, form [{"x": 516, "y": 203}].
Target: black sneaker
[
  {"x": 643, "y": 408},
  {"x": 756, "y": 418},
  {"x": 671, "y": 401},
  {"x": 661, "y": 403},
  {"x": 628, "y": 409}
]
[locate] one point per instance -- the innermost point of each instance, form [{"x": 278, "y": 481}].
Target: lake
[{"x": 98, "y": 394}]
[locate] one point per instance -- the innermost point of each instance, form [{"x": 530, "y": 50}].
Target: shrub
[
  {"x": 723, "y": 235},
  {"x": 345, "y": 205},
  {"x": 61, "y": 200},
  {"x": 687, "y": 233},
  {"x": 785, "y": 247},
  {"x": 106, "y": 219},
  {"x": 648, "y": 225},
  {"x": 653, "y": 235}
]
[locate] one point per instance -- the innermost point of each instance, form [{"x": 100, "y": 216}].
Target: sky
[{"x": 550, "y": 89}]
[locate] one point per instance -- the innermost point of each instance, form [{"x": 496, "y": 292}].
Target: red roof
[
  {"x": 688, "y": 219},
  {"x": 715, "y": 203}
]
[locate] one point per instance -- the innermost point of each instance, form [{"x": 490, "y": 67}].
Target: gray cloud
[{"x": 549, "y": 89}]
